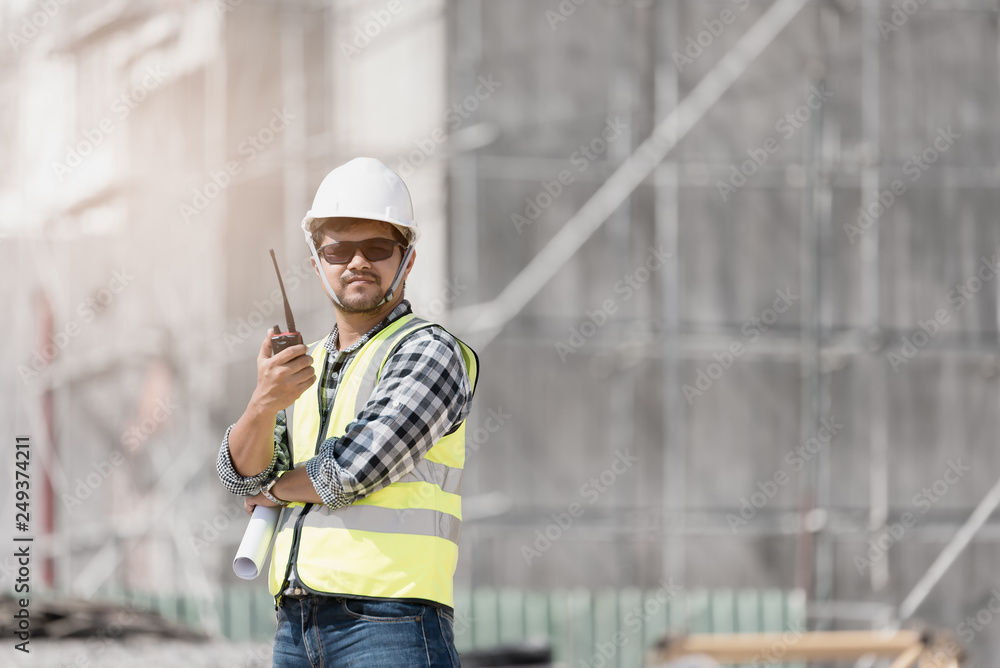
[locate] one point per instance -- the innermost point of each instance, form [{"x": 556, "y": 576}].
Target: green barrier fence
[{"x": 586, "y": 628}]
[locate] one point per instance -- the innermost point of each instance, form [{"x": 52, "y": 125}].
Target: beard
[{"x": 361, "y": 303}]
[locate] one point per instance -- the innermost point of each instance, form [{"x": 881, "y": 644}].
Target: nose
[{"x": 358, "y": 261}]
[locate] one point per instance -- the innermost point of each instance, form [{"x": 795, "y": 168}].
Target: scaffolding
[
  {"x": 521, "y": 313},
  {"x": 523, "y": 289}
]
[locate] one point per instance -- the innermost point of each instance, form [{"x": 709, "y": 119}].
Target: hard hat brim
[{"x": 409, "y": 230}]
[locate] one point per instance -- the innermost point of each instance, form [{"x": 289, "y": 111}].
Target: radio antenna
[{"x": 284, "y": 297}]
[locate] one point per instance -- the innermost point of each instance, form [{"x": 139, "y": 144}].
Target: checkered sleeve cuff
[
  {"x": 325, "y": 475},
  {"x": 233, "y": 481}
]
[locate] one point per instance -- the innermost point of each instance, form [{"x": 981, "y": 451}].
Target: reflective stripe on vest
[
  {"x": 416, "y": 521},
  {"x": 398, "y": 542}
]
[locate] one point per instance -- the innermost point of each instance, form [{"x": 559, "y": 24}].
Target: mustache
[{"x": 347, "y": 278}]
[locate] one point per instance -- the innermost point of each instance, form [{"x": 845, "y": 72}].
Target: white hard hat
[{"x": 364, "y": 188}]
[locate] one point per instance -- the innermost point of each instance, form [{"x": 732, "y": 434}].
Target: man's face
[{"x": 360, "y": 284}]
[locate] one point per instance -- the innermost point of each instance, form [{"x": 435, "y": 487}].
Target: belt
[{"x": 300, "y": 593}]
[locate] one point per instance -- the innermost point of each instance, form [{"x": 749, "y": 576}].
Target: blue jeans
[{"x": 328, "y": 632}]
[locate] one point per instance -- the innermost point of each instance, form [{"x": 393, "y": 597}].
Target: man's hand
[
  {"x": 281, "y": 379},
  {"x": 251, "y": 502}
]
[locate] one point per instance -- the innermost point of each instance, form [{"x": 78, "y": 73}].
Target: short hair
[{"x": 326, "y": 226}]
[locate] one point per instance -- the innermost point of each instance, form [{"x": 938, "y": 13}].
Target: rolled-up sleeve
[
  {"x": 423, "y": 393},
  {"x": 250, "y": 485}
]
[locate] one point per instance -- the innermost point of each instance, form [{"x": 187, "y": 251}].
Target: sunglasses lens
[
  {"x": 377, "y": 249},
  {"x": 336, "y": 253},
  {"x": 341, "y": 252}
]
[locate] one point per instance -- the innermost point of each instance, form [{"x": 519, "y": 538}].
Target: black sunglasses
[{"x": 341, "y": 252}]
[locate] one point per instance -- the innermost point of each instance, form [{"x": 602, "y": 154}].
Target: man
[{"x": 367, "y": 461}]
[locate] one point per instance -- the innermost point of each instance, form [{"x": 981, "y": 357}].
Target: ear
[
  {"x": 409, "y": 266},
  {"x": 312, "y": 261}
]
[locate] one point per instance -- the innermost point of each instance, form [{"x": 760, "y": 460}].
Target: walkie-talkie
[{"x": 282, "y": 340}]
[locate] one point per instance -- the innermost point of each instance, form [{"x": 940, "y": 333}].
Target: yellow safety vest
[{"x": 399, "y": 542}]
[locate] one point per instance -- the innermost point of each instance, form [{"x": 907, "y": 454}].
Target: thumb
[{"x": 265, "y": 346}]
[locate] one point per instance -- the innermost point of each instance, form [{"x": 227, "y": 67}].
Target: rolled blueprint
[{"x": 256, "y": 542}]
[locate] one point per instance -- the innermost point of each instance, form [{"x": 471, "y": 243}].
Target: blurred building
[{"x": 779, "y": 345}]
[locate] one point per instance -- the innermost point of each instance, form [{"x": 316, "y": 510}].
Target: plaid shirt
[{"x": 423, "y": 394}]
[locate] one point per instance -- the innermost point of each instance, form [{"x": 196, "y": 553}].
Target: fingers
[
  {"x": 283, "y": 377},
  {"x": 247, "y": 506},
  {"x": 293, "y": 353},
  {"x": 285, "y": 355},
  {"x": 306, "y": 375}
]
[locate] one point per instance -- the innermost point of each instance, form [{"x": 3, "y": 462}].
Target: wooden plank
[
  {"x": 906, "y": 659},
  {"x": 819, "y": 645}
]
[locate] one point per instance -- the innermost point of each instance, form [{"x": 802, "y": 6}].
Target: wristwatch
[{"x": 266, "y": 491}]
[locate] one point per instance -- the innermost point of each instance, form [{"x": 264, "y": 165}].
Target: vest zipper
[{"x": 297, "y": 531}]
